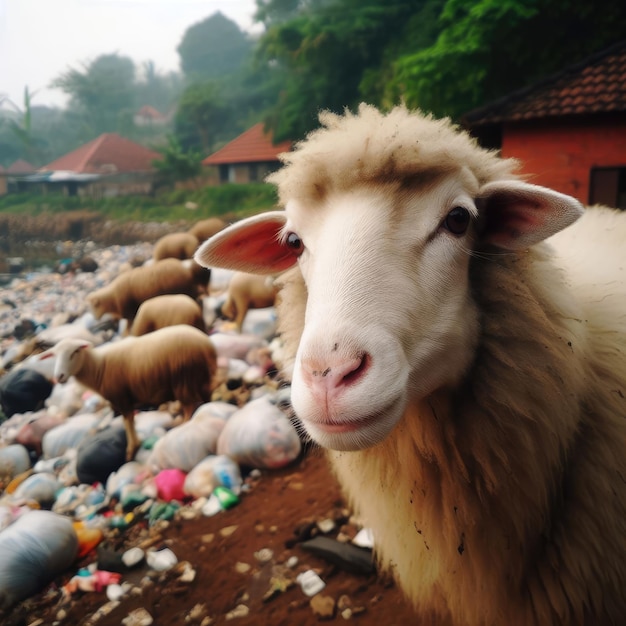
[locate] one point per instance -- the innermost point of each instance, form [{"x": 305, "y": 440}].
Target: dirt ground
[{"x": 281, "y": 510}]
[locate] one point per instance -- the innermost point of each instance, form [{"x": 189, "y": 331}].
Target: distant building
[
  {"x": 569, "y": 130},
  {"x": 149, "y": 116},
  {"x": 250, "y": 157}
]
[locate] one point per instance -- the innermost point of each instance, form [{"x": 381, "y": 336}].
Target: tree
[
  {"x": 200, "y": 117},
  {"x": 103, "y": 92},
  {"x": 213, "y": 49},
  {"x": 176, "y": 164},
  {"x": 488, "y": 48},
  {"x": 325, "y": 53}
]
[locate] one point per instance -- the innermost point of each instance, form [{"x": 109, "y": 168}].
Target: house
[
  {"x": 149, "y": 116},
  {"x": 569, "y": 130},
  {"x": 250, "y": 157},
  {"x": 11, "y": 177},
  {"x": 109, "y": 165}
]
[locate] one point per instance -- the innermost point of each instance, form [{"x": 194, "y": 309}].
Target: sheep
[
  {"x": 173, "y": 363},
  {"x": 123, "y": 295},
  {"x": 247, "y": 291},
  {"x": 167, "y": 310},
  {"x": 206, "y": 228},
  {"x": 472, "y": 398},
  {"x": 175, "y": 246}
]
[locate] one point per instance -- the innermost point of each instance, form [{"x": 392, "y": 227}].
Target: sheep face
[
  {"x": 69, "y": 358},
  {"x": 389, "y": 314}
]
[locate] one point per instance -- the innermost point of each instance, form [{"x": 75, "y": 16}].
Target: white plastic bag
[
  {"x": 186, "y": 445},
  {"x": 259, "y": 435},
  {"x": 211, "y": 472},
  {"x": 68, "y": 435},
  {"x": 35, "y": 548}
]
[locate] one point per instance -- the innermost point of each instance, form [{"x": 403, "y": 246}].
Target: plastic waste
[
  {"x": 131, "y": 473},
  {"x": 161, "y": 560},
  {"x": 14, "y": 460},
  {"x": 310, "y": 582},
  {"x": 88, "y": 538},
  {"x": 186, "y": 445},
  {"x": 259, "y": 435},
  {"x": 23, "y": 390},
  {"x": 209, "y": 473},
  {"x": 170, "y": 483},
  {"x": 35, "y": 548},
  {"x": 68, "y": 435},
  {"x": 99, "y": 455},
  {"x": 41, "y": 488}
]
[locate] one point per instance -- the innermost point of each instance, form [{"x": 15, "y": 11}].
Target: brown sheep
[
  {"x": 247, "y": 291},
  {"x": 173, "y": 363},
  {"x": 204, "y": 229},
  {"x": 472, "y": 399},
  {"x": 175, "y": 246},
  {"x": 167, "y": 310},
  {"x": 123, "y": 296}
]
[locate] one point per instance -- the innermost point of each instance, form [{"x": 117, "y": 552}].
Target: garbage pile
[{"x": 65, "y": 486}]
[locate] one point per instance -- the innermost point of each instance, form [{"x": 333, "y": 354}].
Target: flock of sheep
[{"x": 454, "y": 336}]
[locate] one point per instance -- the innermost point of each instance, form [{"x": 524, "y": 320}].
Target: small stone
[
  {"x": 346, "y": 614},
  {"x": 273, "y": 530},
  {"x": 241, "y": 610},
  {"x": 242, "y": 568},
  {"x": 326, "y": 525},
  {"x": 114, "y": 592},
  {"x": 188, "y": 513},
  {"x": 196, "y": 613},
  {"x": 264, "y": 555},
  {"x": 291, "y": 562},
  {"x": 61, "y": 615},
  {"x": 138, "y": 617},
  {"x": 296, "y": 486},
  {"x": 161, "y": 560},
  {"x": 259, "y": 529},
  {"x": 133, "y": 556},
  {"x": 206, "y": 621},
  {"x": 227, "y": 531},
  {"x": 208, "y": 538},
  {"x": 37, "y": 622},
  {"x": 189, "y": 573},
  {"x": 323, "y": 606}
]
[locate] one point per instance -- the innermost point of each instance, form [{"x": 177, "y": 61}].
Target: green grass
[{"x": 232, "y": 201}]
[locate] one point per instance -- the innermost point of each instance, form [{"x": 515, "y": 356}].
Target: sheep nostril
[{"x": 352, "y": 376}]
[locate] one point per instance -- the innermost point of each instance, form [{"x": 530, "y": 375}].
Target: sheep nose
[{"x": 327, "y": 378}]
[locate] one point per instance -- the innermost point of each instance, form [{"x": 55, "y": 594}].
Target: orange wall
[{"x": 561, "y": 155}]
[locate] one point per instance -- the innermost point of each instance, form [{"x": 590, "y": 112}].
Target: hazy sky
[{"x": 40, "y": 39}]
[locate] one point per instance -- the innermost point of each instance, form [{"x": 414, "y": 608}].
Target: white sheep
[
  {"x": 167, "y": 310},
  {"x": 123, "y": 295},
  {"x": 175, "y": 246},
  {"x": 247, "y": 291},
  {"x": 172, "y": 363},
  {"x": 203, "y": 229},
  {"x": 468, "y": 378}
]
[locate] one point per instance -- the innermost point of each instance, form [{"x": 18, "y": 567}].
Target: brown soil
[{"x": 277, "y": 513}]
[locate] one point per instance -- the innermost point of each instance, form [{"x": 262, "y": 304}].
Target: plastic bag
[
  {"x": 211, "y": 472},
  {"x": 39, "y": 487},
  {"x": 30, "y": 435},
  {"x": 23, "y": 390},
  {"x": 186, "y": 445},
  {"x": 259, "y": 435},
  {"x": 131, "y": 473},
  {"x": 14, "y": 460},
  {"x": 100, "y": 454},
  {"x": 56, "y": 441},
  {"x": 235, "y": 346},
  {"x": 35, "y": 548}
]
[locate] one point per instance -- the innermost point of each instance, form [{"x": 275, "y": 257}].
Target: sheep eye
[
  {"x": 294, "y": 242},
  {"x": 457, "y": 221}
]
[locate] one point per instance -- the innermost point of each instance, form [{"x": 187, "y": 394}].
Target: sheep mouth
[{"x": 356, "y": 433}]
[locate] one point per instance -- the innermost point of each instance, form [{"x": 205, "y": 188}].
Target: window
[{"x": 607, "y": 186}]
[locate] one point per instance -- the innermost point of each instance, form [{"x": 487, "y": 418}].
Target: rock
[
  {"x": 138, "y": 617},
  {"x": 227, "y": 531},
  {"x": 323, "y": 606},
  {"x": 241, "y": 610}
]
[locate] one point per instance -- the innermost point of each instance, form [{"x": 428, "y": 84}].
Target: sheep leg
[{"x": 132, "y": 441}]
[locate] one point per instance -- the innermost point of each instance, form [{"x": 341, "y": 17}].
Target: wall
[{"x": 560, "y": 154}]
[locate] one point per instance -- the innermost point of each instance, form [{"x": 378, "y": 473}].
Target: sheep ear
[
  {"x": 518, "y": 215},
  {"x": 250, "y": 245}
]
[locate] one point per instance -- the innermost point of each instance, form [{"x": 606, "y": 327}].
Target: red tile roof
[
  {"x": 106, "y": 154},
  {"x": 595, "y": 85},
  {"x": 20, "y": 167},
  {"x": 250, "y": 147},
  {"x": 150, "y": 112}
]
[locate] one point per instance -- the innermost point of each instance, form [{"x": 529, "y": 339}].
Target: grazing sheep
[
  {"x": 204, "y": 229},
  {"x": 175, "y": 246},
  {"x": 247, "y": 291},
  {"x": 167, "y": 310},
  {"x": 468, "y": 378},
  {"x": 128, "y": 290},
  {"x": 173, "y": 363}
]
